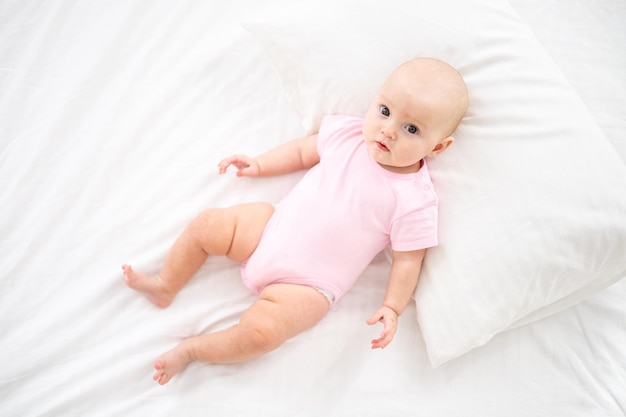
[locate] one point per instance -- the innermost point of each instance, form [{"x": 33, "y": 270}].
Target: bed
[{"x": 114, "y": 115}]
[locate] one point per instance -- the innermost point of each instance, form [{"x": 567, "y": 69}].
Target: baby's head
[{"x": 414, "y": 114}]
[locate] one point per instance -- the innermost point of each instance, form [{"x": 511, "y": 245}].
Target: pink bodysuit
[{"x": 344, "y": 211}]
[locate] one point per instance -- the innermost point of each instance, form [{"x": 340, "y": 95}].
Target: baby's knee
[
  {"x": 264, "y": 336},
  {"x": 268, "y": 338},
  {"x": 213, "y": 230},
  {"x": 206, "y": 218}
]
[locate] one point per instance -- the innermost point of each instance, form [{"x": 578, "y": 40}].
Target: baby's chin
[{"x": 399, "y": 168}]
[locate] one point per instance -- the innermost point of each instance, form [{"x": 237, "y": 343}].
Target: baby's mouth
[{"x": 382, "y": 146}]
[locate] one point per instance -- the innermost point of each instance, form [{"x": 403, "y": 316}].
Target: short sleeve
[
  {"x": 416, "y": 230},
  {"x": 334, "y": 129}
]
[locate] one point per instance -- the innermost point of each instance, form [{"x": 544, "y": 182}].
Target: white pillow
[{"x": 532, "y": 196}]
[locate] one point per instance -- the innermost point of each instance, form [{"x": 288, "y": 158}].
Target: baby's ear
[{"x": 441, "y": 146}]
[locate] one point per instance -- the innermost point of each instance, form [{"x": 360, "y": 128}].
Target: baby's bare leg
[
  {"x": 233, "y": 232},
  {"x": 281, "y": 312}
]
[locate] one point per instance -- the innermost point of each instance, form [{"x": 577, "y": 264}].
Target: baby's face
[{"x": 406, "y": 122}]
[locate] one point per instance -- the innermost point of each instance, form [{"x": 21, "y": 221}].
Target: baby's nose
[{"x": 388, "y": 131}]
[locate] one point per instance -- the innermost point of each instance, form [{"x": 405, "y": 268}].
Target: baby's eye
[
  {"x": 384, "y": 110},
  {"x": 412, "y": 129}
]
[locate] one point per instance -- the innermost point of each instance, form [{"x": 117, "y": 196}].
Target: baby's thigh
[
  {"x": 285, "y": 310},
  {"x": 250, "y": 221}
]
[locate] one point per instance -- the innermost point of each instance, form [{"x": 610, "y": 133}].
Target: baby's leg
[
  {"x": 234, "y": 232},
  {"x": 281, "y": 312}
]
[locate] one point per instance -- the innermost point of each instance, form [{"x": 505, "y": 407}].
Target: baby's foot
[
  {"x": 151, "y": 287},
  {"x": 171, "y": 363}
]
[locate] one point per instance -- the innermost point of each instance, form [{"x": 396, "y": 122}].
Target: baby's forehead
[
  {"x": 412, "y": 89},
  {"x": 430, "y": 72}
]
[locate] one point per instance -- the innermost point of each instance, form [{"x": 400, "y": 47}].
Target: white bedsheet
[{"x": 113, "y": 116}]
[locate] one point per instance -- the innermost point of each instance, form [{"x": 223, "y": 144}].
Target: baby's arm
[
  {"x": 405, "y": 270},
  {"x": 289, "y": 157}
]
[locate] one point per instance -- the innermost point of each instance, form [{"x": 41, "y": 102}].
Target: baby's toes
[{"x": 128, "y": 270}]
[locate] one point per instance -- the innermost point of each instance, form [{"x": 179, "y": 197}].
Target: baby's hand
[
  {"x": 389, "y": 318},
  {"x": 246, "y": 166}
]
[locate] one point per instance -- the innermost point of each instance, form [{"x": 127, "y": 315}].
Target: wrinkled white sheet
[{"x": 113, "y": 116}]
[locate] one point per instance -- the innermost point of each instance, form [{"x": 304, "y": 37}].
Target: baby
[{"x": 368, "y": 186}]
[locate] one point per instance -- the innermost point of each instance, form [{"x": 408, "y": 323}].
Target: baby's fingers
[
  {"x": 241, "y": 162},
  {"x": 382, "y": 342},
  {"x": 224, "y": 164},
  {"x": 389, "y": 330}
]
